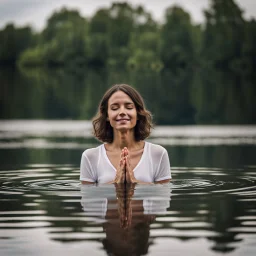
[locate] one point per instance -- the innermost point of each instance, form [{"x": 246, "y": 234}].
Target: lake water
[{"x": 208, "y": 209}]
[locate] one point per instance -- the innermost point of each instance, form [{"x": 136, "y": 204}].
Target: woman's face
[{"x": 122, "y": 113}]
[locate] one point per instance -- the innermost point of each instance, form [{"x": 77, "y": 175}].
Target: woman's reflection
[{"x": 128, "y": 211}]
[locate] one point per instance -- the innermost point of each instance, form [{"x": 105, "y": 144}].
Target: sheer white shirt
[{"x": 153, "y": 166}]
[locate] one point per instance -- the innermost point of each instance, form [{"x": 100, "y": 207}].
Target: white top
[{"x": 153, "y": 166}]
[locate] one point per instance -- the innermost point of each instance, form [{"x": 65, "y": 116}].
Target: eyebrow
[{"x": 126, "y": 103}]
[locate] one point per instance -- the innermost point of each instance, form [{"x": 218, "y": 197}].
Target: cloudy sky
[{"x": 36, "y": 12}]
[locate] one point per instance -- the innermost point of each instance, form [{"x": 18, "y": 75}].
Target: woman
[{"x": 122, "y": 124}]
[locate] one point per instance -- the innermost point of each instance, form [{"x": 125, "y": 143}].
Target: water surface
[{"x": 208, "y": 208}]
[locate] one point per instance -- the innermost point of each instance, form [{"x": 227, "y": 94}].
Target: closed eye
[{"x": 129, "y": 106}]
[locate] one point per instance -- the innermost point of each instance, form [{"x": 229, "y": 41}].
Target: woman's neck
[{"x": 124, "y": 139}]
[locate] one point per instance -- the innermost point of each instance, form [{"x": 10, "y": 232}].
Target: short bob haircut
[{"x": 103, "y": 131}]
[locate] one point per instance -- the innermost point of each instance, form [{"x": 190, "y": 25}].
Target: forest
[{"x": 189, "y": 73}]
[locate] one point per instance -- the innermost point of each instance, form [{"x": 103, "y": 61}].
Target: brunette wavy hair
[{"x": 102, "y": 129}]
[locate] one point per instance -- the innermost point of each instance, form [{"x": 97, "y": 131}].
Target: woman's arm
[
  {"x": 163, "y": 181},
  {"x": 87, "y": 182},
  {"x": 87, "y": 175},
  {"x": 163, "y": 173}
]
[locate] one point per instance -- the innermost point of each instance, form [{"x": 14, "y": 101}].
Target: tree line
[{"x": 124, "y": 36}]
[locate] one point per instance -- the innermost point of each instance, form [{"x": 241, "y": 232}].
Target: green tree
[
  {"x": 144, "y": 42},
  {"x": 248, "y": 48},
  {"x": 63, "y": 41},
  {"x": 120, "y": 30},
  {"x": 99, "y": 42},
  {"x": 177, "y": 44},
  {"x": 145, "y": 51},
  {"x": 115, "y": 32},
  {"x": 224, "y": 33},
  {"x": 13, "y": 42},
  {"x": 222, "y": 97}
]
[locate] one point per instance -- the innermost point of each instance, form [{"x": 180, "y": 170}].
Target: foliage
[
  {"x": 63, "y": 42},
  {"x": 177, "y": 49},
  {"x": 186, "y": 97},
  {"x": 127, "y": 36},
  {"x": 13, "y": 42},
  {"x": 224, "y": 33},
  {"x": 188, "y": 73}
]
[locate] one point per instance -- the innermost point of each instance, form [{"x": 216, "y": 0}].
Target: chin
[{"x": 124, "y": 129}]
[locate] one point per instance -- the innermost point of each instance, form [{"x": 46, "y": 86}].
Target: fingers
[
  {"x": 120, "y": 172},
  {"x": 125, "y": 166},
  {"x": 122, "y": 160},
  {"x": 127, "y": 161},
  {"x": 122, "y": 163},
  {"x": 121, "y": 169},
  {"x": 125, "y": 151}
]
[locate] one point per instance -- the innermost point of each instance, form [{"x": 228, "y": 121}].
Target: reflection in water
[
  {"x": 206, "y": 96},
  {"x": 128, "y": 212},
  {"x": 210, "y": 209}
]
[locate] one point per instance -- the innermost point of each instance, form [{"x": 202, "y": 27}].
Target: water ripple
[
  {"x": 52, "y": 185},
  {"x": 194, "y": 183},
  {"x": 185, "y": 180}
]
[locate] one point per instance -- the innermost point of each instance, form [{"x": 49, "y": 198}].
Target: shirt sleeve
[
  {"x": 164, "y": 169},
  {"x": 86, "y": 170}
]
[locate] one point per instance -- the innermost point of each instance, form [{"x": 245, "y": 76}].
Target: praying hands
[{"x": 124, "y": 174}]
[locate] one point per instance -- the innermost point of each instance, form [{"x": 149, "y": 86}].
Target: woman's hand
[
  {"x": 120, "y": 172},
  {"x": 129, "y": 175}
]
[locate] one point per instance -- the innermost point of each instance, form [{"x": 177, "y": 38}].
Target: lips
[{"x": 123, "y": 119}]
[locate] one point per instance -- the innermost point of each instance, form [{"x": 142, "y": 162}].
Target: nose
[{"x": 122, "y": 111}]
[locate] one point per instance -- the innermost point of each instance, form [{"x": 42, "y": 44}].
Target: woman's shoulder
[
  {"x": 90, "y": 152},
  {"x": 156, "y": 149}
]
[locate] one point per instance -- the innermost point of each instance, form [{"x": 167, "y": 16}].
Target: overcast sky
[{"x": 36, "y": 12}]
